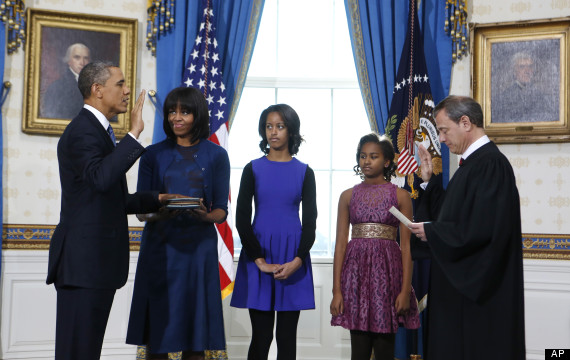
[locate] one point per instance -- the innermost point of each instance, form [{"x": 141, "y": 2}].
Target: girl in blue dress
[
  {"x": 274, "y": 273},
  {"x": 177, "y": 304}
]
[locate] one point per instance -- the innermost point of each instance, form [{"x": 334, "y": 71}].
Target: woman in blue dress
[
  {"x": 274, "y": 273},
  {"x": 177, "y": 304}
]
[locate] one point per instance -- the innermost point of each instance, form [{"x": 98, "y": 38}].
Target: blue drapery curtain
[
  {"x": 437, "y": 46},
  {"x": 438, "y": 50},
  {"x": 377, "y": 33},
  {"x": 237, "y": 24}
]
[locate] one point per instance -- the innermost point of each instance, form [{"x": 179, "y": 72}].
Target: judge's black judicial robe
[{"x": 476, "y": 303}]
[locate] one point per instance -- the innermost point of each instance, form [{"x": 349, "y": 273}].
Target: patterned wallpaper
[
  {"x": 30, "y": 174},
  {"x": 484, "y": 11},
  {"x": 542, "y": 178},
  {"x": 31, "y": 183}
]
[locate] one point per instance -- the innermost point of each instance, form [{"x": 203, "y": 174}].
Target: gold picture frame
[
  {"x": 50, "y": 99},
  {"x": 520, "y": 77}
]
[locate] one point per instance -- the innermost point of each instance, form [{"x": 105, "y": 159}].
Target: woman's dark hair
[
  {"x": 292, "y": 122},
  {"x": 387, "y": 151},
  {"x": 192, "y": 101}
]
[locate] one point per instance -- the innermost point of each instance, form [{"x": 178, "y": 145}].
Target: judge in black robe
[{"x": 476, "y": 300}]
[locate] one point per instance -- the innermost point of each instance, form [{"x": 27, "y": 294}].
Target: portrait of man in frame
[
  {"x": 63, "y": 54},
  {"x": 520, "y": 76},
  {"x": 525, "y": 81},
  {"x": 58, "y": 46}
]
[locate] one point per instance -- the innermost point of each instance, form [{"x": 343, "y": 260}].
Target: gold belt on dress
[{"x": 374, "y": 230}]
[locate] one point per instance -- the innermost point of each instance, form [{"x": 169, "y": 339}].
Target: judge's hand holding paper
[{"x": 417, "y": 228}]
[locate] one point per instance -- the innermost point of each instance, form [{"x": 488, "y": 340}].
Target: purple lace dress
[{"x": 371, "y": 277}]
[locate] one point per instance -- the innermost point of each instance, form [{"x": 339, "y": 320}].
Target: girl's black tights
[
  {"x": 262, "y": 334},
  {"x": 362, "y": 343}
]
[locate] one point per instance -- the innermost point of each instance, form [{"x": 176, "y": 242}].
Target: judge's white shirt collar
[
  {"x": 99, "y": 115},
  {"x": 476, "y": 145},
  {"x": 470, "y": 150}
]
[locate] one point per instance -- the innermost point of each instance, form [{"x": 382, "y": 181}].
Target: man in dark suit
[
  {"x": 62, "y": 99},
  {"x": 89, "y": 250}
]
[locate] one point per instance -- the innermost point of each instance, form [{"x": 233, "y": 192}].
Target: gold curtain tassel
[
  {"x": 13, "y": 15},
  {"x": 160, "y": 19},
  {"x": 456, "y": 27}
]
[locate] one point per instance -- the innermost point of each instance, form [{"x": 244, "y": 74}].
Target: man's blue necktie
[{"x": 112, "y": 135}]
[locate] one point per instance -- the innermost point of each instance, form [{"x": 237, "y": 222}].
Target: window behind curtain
[{"x": 303, "y": 58}]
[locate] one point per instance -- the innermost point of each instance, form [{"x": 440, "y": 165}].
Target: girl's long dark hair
[{"x": 292, "y": 122}]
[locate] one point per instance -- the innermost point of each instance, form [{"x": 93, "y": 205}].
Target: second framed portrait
[
  {"x": 59, "y": 45},
  {"x": 521, "y": 78}
]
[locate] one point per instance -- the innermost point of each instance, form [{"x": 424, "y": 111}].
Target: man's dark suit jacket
[
  {"x": 90, "y": 245},
  {"x": 426, "y": 208},
  {"x": 62, "y": 99}
]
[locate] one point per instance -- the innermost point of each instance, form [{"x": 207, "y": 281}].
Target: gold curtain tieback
[{"x": 374, "y": 230}]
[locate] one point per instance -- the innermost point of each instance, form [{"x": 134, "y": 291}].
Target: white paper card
[{"x": 400, "y": 216}]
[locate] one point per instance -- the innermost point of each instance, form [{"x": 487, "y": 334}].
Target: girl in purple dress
[
  {"x": 274, "y": 273},
  {"x": 372, "y": 291}
]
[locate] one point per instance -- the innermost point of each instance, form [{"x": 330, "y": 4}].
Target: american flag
[
  {"x": 410, "y": 119},
  {"x": 411, "y": 123},
  {"x": 407, "y": 164},
  {"x": 203, "y": 71}
]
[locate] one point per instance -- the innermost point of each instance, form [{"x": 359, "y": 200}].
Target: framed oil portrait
[
  {"x": 59, "y": 45},
  {"x": 520, "y": 76}
]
